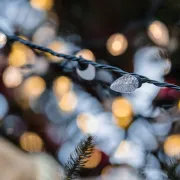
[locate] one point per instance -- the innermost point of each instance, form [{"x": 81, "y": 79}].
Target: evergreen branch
[{"x": 79, "y": 158}]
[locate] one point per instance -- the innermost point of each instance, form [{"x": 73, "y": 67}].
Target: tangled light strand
[{"x": 141, "y": 79}]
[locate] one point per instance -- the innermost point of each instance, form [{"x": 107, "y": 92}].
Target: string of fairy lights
[
  {"x": 125, "y": 84},
  {"x": 30, "y": 85}
]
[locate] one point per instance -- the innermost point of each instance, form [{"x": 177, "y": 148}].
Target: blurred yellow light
[
  {"x": 34, "y": 86},
  {"x": 31, "y": 142},
  {"x": 94, "y": 160},
  {"x": 117, "y": 44},
  {"x": 20, "y": 55},
  {"x": 68, "y": 102},
  {"x": 179, "y": 104},
  {"x": 158, "y": 33},
  {"x": 61, "y": 85},
  {"x": 56, "y": 46},
  {"x": 42, "y": 4},
  {"x": 17, "y": 58},
  {"x": 12, "y": 77},
  {"x": 172, "y": 145},
  {"x": 122, "y": 110},
  {"x": 87, "y": 123},
  {"x": 123, "y": 122},
  {"x": 86, "y": 54}
]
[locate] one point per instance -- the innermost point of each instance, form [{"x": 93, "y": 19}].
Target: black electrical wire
[{"x": 81, "y": 60}]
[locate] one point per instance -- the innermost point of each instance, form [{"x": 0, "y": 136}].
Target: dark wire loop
[{"x": 80, "y": 60}]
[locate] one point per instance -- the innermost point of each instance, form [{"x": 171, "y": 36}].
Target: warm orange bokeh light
[
  {"x": 172, "y": 145},
  {"x": 117, "y": 44},
  {"x": 86, "y": 54},
  {"x": 12, "y": 77},
  {"x": 42, "y": 4},
  {"x": 158, "y": 33},
  {"x": 56, "y": 46},
  {"x": 31, "y": 142},
  {"x": 17, "y": 58},
  {"x": 33, "y": 87},
  {"x": 123, "y": 122},
  {"x": 68, "y": 102},
  {"x": 122, "y": 111},
  {"x": 94, "y": 160},
  {"x": 20, "y": 55},
  {"x": 62, "y": 85},
  {"x": 179, "y": 105}
]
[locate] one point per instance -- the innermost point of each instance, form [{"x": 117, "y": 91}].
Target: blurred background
[{"x": 48, "y": 105}]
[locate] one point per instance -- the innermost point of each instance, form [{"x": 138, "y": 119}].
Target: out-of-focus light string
[{"x": 81, "y": 60}]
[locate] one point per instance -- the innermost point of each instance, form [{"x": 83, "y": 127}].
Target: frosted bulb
[
  {"x": 87, "y": 74},
  {"x": 3, "y": 40},
  {"x": 125, "y": 84}
]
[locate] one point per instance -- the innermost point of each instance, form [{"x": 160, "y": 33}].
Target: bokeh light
[
  {"x": 31, "y": 142},
  {"x": 123, "y": 148},
  {"x": 57, "y": 46},
  {"x": 12, "y": 77},
  {"x": 68, "y": 102},
  {"x": 148, "y": 141},
  {"x": 21, "y": 55},
  {"x": 129, "y": 153},
  {"x": 86, "y": 54},
  {"x": 3, "y": 40},
  {"x": 41, "y": 66},
  {"x": 42, "y": 4},
  {"x": 168, "y": 67},
  {"x": 158, "y": 33},
  {"x": 43, "y": 34},
  {"x": 179, "y": 105},
  {"x": 34, "y": 86},
  {"x": 117, "y": 44},
  {"x": 172, "y": 145},
  {"x": 119, "y": 172},
  {"x": 94, "y": 160},
  {"x": 87, "y": 123},
  {"x": 62, "y": 85},
  {"x": 17, "y": 58},
  {"x": 122, "y": 111}
]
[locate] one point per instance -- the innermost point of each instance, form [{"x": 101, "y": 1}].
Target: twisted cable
[{"x": 95, "y": 64}]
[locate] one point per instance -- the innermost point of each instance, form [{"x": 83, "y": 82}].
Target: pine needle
[{"x": 79, "y": 158}]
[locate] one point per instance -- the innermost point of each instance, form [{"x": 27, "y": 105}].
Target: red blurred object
[{"x": 167, "y": 93}]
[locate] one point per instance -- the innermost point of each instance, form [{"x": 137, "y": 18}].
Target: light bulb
[{"x": 125, "y": 84}]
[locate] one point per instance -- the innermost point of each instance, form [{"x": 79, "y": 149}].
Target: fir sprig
[{"x": 79, "y": 158}]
